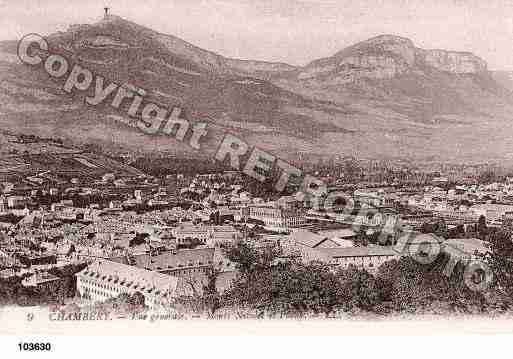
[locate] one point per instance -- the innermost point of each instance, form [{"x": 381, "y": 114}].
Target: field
[{"x": 54, "y": 163}]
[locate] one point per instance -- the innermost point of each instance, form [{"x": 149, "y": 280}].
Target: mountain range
[{"x": 383, "y": 98}]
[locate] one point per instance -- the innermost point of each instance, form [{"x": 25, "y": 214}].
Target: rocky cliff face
[
  {"x": 452, "y": 62},
  {"x": 386, "y": 57}
]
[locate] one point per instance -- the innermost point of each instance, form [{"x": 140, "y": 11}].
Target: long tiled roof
[
  {"x": 133, "y": 278},
  {"x": 466, "y": 246},
  {"x": 176, "y": 259},
  {"x": 492, "y": 207},
  {"x": 340, "y": 233},
  {"x": 358, "y": 251},
  {"x": 419, "y": 238},
  {"x": 306, "y": 238}
]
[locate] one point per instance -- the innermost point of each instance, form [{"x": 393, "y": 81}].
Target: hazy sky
[{"x": 291, "y": 31}]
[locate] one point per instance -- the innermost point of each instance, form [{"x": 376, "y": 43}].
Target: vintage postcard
[{"x": 171, "y": 165}]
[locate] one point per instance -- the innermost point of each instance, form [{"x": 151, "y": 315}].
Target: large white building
[
  {"x": 492, "y": 212},
  {"x": 369, "y": 258},
  {"x": 106, "y": 279},
  {"x": 17, "y": 202},
  {"x": 314, "y": 247},
  {"x": 192, "y": 266},
  {"x": 201, "y": 234},
  {"x": 275, "y": 217}
]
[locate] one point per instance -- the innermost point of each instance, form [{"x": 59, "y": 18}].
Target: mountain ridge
[{"x": 381, "y": 98}]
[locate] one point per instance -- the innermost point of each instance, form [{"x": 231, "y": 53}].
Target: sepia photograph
[{"x": 255, "y": 167}]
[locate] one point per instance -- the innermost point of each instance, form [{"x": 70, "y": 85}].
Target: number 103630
[{"x": 34, "y": 347}]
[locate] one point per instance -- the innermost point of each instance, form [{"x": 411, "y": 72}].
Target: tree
[
  {"x": 500, "y": 260},
  {"x": 457, "y": 232},
  {"x": 414, "y": 287},
  {"x": 361, "y": 239},
  {"x": 249, "y": 259},
  {"x": 278, "y": 288},
  {"x": 438, "y": 227},
  {"x": 287, "y": 289},
  {"x": 358, "y": 289},
  {"x": 481, "y": 227},
  {"x": 385, "y": 280},
  {"x": 211, "y": 296}
]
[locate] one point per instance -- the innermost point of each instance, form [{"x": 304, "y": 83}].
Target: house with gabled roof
[{"x": 105, "y": 279}]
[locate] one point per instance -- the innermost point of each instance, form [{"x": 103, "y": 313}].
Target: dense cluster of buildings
[{"x": 165, "y": 237}]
